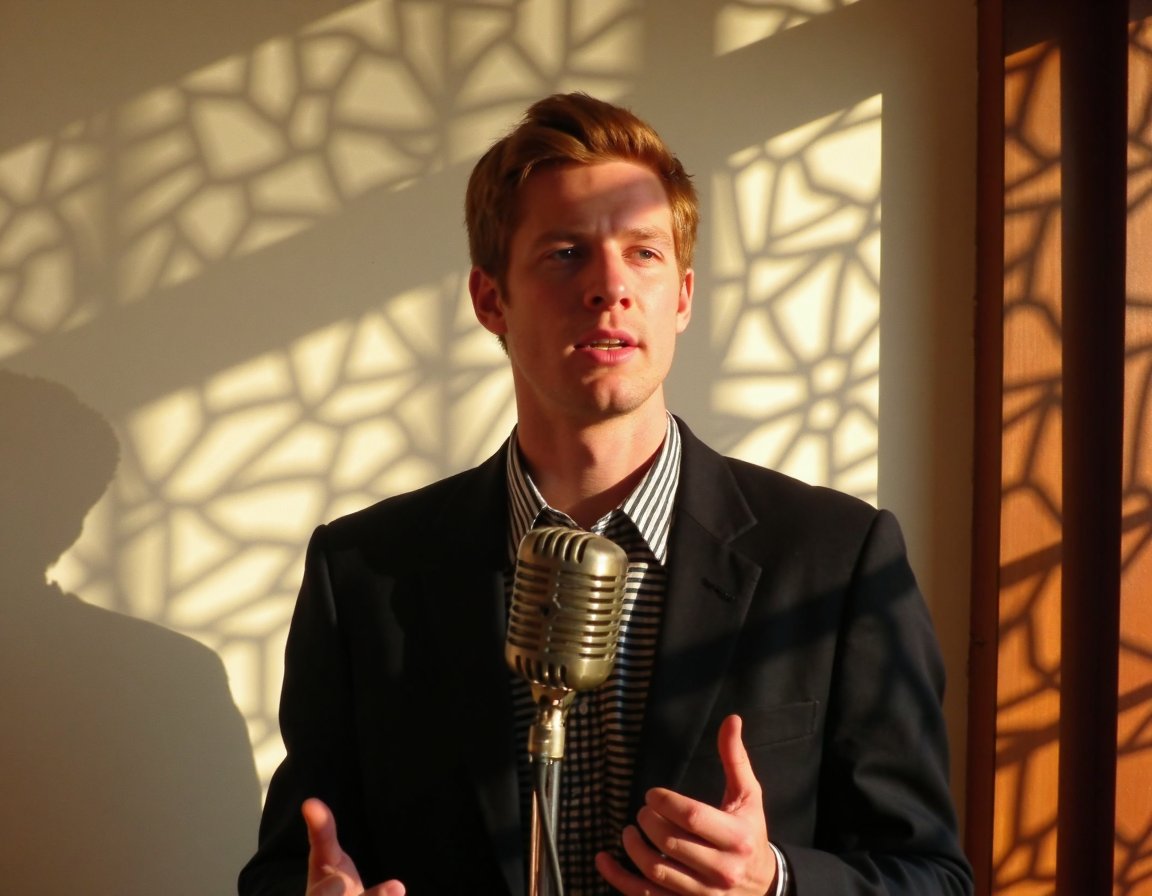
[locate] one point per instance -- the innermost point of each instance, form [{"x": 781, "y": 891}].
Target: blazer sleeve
[
  {"x": 316, "y": 724},
  {"x": 885, "y": 825}
]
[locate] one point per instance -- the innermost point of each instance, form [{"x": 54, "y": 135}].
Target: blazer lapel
[
  {"x": 466, "y": 606},
  {"x": 710, "y": 586}
]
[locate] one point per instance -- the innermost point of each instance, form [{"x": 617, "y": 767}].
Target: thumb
[
  {"x": 324, "y": 848},
  {"x": 330, "y": 870},
  {"x": 740, "y": 784},
  {"x": 331, "y": 886}
]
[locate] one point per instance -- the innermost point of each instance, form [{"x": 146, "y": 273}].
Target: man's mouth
[{"x": 604, "y": 344}]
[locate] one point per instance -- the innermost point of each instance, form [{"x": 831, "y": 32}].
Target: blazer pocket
[
  {"x": 780, "y": 724},
  {"x": 776, "y": 737}
]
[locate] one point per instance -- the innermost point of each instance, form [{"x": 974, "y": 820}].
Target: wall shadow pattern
[
  {"x": 1134, "y": 728},
  {"x": 255, "y": 268},
  {"x": 1028, "y": 698},
  {"x": 223, "y": 475},
  {"x": 1027, "y": 834}
]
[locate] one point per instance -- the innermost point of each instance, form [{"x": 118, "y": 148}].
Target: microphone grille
[{"x": 567, "y": 604}]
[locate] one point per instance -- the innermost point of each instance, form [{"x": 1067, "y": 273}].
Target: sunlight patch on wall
[
  {"x": 743, "y": 22},
  {"x": 221, "y": 483},
  {"x": 796, "y": 319},
  {"x": 43, "y": 272},
  {"x": 260, "y": 146}
]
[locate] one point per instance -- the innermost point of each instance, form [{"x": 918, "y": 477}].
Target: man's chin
[{"x": 615, "y": 404}]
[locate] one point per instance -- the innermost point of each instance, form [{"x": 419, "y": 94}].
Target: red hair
[{"x": 571, "y": 128}]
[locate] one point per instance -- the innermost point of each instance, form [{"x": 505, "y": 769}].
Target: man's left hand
[{"x": 700, "y": 849}]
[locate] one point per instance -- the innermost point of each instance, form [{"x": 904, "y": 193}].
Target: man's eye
[{"x": 565, "y": 253}]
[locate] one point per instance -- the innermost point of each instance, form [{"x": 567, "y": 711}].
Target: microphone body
[{"x": 564, "y": 623}]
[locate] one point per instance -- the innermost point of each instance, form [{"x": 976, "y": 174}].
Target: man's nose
[{"x": 608, "y": 282}]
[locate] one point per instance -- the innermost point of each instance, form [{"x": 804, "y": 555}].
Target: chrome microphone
[{"x": 564, "y": 623}]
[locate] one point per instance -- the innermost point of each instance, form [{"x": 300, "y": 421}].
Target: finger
[
  {"x": 667, "y": 874},
  {"x": 618, "y": 878},
  {"x": 324, "y": 848},
  {"x": 691, "y": 863},
  {"x": 331, "y": 871},
  {"x": 679, "y": 845},
  {"x": 391, "y": 888},
  {"x": 695, "y": 820},
  {"x": 740, "y": 784}
]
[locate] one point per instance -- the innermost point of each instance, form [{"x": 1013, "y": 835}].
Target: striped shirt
[{"x": 603, "y": 726}]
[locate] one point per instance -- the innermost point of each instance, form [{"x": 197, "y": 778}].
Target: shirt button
[{"x": 582, "y": 707}]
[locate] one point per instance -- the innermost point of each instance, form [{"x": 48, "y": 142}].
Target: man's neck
[{"x": 587, "y": 470}]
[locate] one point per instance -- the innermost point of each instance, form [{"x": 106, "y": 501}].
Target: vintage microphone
[{"x": 563, "y": 630}]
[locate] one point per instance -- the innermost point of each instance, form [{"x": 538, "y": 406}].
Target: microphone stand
[
  {"x": 546, "y": 748},
  {"x": 563, "y": 628},
  {"x": 545, "y": 877}
]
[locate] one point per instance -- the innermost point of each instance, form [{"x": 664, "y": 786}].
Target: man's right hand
[{"x": 330, "y": 870}]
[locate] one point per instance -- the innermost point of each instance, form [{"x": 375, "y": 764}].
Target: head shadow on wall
[{"x": 124, "y": 762}]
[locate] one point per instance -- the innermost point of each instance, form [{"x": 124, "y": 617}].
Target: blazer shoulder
[
  {"x": 767, "y": 489},
  {"x": 721, "y": 490}
]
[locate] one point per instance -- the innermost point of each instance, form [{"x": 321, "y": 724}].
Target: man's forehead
[{"x": 574, "y": 195}]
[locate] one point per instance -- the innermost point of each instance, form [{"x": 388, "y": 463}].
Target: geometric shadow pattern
[
  {"x": 1026, "y": 823},
  {"x": 222, "y": 479},
  {"x": 1031, "y": 525},
  {"x": 1133, "y": 855},
  {"x": 795, "y": 323},
  {"x": 739, "y": 23},
  {"x": 263, "y": 144},
  {"x": 221, "y": 484}
]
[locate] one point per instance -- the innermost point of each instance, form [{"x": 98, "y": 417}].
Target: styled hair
[{"x": 570, "y": 128}]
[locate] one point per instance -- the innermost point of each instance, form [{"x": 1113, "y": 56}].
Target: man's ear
[
  {"x": 487, "y": 302},
  {"x": 684, "y": 300}
]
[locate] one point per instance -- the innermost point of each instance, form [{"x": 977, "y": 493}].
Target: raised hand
[
  {"x": 330, "y": 870},
  {"x": 701, "y": 849}
]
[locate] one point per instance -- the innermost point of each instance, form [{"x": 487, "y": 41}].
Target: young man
[{"x": 773, "y": 724}]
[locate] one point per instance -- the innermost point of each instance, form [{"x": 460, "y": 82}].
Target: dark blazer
[{"x": 791, "y": 605}]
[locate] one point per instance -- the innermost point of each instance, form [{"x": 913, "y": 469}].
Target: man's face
[{"x": 592, "y": 299}]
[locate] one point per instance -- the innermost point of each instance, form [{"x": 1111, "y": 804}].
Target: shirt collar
[{"x": 649, "y": 506}]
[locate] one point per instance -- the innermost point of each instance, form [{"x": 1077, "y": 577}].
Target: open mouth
[{"x": 604, "y": 344}]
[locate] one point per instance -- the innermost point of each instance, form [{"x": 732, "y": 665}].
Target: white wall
[{"x": 234, "y": 231}]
